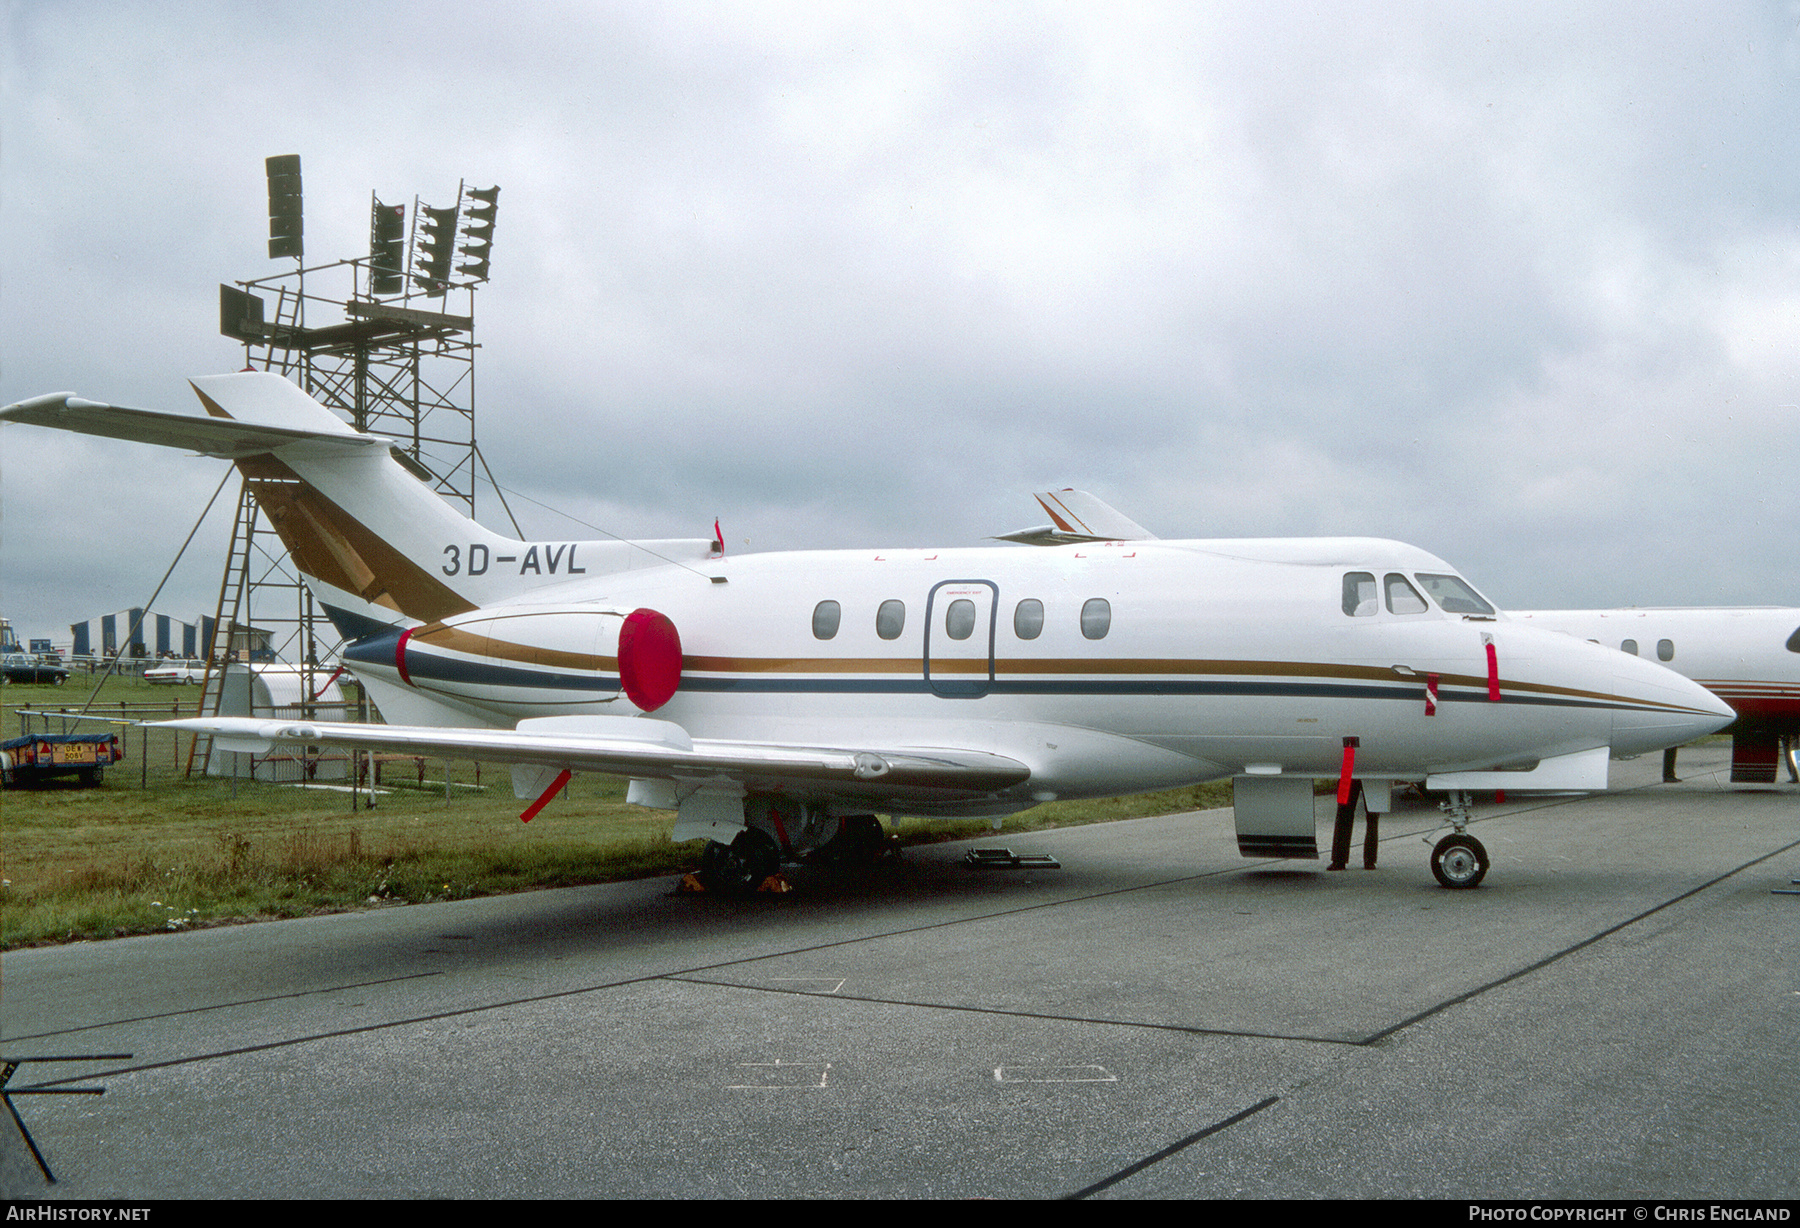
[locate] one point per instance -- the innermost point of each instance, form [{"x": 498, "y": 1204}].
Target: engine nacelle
[
  {"x": 532, "y": 657},
  {"x": 649, "y": 659}
]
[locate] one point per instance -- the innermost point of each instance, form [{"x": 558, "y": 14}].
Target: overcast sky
[{"x": 1519, "y": 284}]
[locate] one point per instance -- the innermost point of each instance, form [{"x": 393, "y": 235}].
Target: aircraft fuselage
[{"x": 1103, "y": 668}]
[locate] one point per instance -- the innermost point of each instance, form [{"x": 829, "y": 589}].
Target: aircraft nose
[{"x": 1662, "y": 708}]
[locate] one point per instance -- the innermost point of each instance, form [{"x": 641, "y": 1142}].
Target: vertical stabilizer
[{"x": 377, "y": 546}]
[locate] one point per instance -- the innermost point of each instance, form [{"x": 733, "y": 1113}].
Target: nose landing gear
[{"x": 1458, "y": 860}]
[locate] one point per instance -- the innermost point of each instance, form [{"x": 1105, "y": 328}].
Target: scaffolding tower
[{"x": 389, "y": 341}]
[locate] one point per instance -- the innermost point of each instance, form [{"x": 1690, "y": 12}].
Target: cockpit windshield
[{"x": 1453, "y": 596}]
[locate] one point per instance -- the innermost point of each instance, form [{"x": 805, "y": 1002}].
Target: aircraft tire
[
  {"x": 860, "y": 842},
  {"x": 740, "y": 867},
  {"x": 1459, "y": 862},
  {"x": 711, "y": 858}
]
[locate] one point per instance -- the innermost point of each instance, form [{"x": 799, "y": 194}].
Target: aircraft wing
[
  {"x": 631, "y": 746},
  {"x": 1076, "y": 516}
]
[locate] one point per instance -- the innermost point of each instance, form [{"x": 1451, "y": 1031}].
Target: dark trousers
[{"x": 1346, "y": 819}]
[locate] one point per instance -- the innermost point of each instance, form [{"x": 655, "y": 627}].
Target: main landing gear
[
  {"x": 753, "y": 857},
  {"x": 858, "y": 844},
  {"x": 1458, "y": 860},
  {"x": 740, "y": 867}
]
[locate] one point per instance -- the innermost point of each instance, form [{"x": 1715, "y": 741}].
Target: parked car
[
  {"x": 177, "y": 673},
  {"x": 29, "y": 667}
]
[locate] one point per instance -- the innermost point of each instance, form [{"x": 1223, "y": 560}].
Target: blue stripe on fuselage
[{"x": 428, "y": 666}]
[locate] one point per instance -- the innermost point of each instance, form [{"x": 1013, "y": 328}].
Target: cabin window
[
  {"x": 1454, "y": 596},
  {"x": 826, "y": 617},
  {"x": 1793, "y": 644},
  {"x": 959, "y": 619},
  {"x": 1028, "y": 619},
  {"x": 1665, "y": 650},
  {"x": 1629, "y": 646},
  {"x": 1403, "y": 598},
  {"x": 1360, "y": 600},
  {"x": 890, "y": 620},
  {"x": 1096, "y": 618}
]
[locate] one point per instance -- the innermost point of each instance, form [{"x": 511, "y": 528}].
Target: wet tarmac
[{"x": 1615, "y": 1012}]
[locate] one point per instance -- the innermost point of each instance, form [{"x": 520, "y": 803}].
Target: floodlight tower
[{"x": 395, "y": 360}]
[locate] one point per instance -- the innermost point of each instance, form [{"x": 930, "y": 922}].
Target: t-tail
[{"x": 377, "y": 546}]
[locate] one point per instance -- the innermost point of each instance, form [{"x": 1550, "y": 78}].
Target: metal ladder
[{"x": 225, "y": 622}]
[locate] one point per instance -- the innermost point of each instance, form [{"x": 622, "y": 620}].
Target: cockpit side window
[
  {"x": 1454, "y": 596},
  {"x": 1360, "y": 600},
  {"x": 1403, "y": 598}
]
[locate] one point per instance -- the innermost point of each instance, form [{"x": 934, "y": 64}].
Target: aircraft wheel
[
  {"x": 1459, "y": 861},
  {"x": 869, "y": 843},
  {"x": 740, "y": 867},
  {"x": 712, "y": 857},
  {"x": 859, "y": 841}
]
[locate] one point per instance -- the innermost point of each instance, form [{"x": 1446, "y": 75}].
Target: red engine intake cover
[{"x": 649, "y": 659}]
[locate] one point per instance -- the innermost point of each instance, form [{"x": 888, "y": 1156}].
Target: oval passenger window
[
  {"x": 1629, "y": 646},
  {"x": 1665, "y": 650},
  {"x": 826, "y": 616},
  {"x": 1028, "y": 619},
  {"x": 1096, "y": 618},
  {"x": 890, "y": 620}
]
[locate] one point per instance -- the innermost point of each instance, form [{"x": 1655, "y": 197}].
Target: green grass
[{"x": 152, "y": 849}]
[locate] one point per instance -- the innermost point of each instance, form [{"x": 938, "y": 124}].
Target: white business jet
[
  {"x": 778, "y": 702},
  {"x": 1748, "y": 656}
]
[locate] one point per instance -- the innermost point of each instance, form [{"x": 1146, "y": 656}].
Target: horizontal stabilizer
[
  {"x": 222, "y": 437},
  {"x": 1076, "y": 517}
]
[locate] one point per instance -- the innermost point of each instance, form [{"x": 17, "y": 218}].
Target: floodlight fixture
[
  {"x": 478, "y": 233},
  {"x": 436, "y": 249},
  {"x": 286, "y": 228},
  {"x": 387, "y": 247}
]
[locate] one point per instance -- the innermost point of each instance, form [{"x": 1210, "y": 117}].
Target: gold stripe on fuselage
[{"x": 458, "y": 640}]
